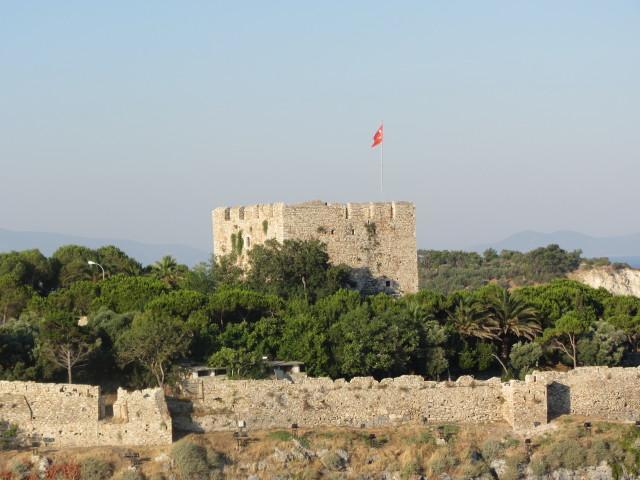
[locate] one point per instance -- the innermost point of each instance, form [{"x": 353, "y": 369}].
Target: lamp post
[{"x": 91, "y": 262}]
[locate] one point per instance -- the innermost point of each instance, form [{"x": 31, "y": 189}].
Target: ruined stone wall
[
  {"x": 378, "y": 240},
  {"x": 312, "y": 402},
  {"x": 73, "y": 415},
  {"x": 596, "y": 392},
  {"x": 525, "y": 404}
]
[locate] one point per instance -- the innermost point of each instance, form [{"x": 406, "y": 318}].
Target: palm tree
[
  {"x": 471, "y": 319},
  {"x": 511, "y": 317},
  {"x": 168, "y": 270}
]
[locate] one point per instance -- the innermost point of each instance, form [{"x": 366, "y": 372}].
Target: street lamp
[{"x": 91, "y": 262}]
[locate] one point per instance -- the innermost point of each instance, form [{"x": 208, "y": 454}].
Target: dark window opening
[
  {"x": 227, "y": 214},
  {"x": 241, "y": 213},
  {"x": 387, "y": 283}
]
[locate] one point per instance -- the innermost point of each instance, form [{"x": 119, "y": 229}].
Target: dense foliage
[
  {"x": 447, "y": 271},
  {"x": 60, "y": 320}
]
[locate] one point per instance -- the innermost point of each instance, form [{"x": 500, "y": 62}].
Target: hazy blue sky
[{"x": 135, "y": 119}]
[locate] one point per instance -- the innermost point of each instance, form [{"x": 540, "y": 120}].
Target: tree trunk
[
  {"x": 505, "y": 349},
  {"x": 69, "y": 367}
]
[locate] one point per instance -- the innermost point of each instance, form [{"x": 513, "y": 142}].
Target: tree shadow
[{"x": 369, "y": 284}]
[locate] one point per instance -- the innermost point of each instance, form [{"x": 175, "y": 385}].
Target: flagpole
[{"x": 382, "y": 160}]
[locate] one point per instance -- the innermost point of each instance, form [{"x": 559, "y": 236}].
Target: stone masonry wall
[
  {"x": 599, "y": 393},
  {"x": 378, "y": 240},
  {"x": 73, "y": 415},
  {"x": 310, "y": 402}
]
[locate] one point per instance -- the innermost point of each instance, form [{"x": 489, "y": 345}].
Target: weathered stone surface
[
  {"x": 597, "y": 392},
  {"x": 73, "y": 415},
  {"x": 378, "y": 240}
]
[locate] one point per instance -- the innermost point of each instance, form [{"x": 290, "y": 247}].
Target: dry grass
[{"x": 407, "y": 449}]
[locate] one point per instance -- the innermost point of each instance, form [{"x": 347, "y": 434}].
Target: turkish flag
[{"x": 378, "y": 137}]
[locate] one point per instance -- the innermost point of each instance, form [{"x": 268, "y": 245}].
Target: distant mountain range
[
  {"x": 145, "y": 253},
  {"x": 625, "y": 248}
]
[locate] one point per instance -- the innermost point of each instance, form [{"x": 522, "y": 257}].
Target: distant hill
[
  {"x": 625, "y": 248},
  {"x": 145, "y": 253}
]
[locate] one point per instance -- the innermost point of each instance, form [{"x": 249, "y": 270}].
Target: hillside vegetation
[
  {"x": 446, "y": 271},
  {"x": 61, "y": 321}
]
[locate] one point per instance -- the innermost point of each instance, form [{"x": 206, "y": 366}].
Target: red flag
[{"x": 378, "y": 137}]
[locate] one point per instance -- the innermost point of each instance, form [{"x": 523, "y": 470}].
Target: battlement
[
  {"x": 376, "y": 239},
  {"x": 596, "y": 393}
]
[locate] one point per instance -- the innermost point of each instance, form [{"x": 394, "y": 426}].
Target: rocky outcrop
[{"x": 619, "y": 281}]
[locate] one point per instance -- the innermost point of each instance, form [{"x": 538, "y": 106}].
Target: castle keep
[{"x": 377, "y": 240}]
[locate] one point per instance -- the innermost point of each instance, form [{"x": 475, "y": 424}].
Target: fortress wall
[
  {"x": 378, "y": 240},
  {"x": 70, "y": 415},
  {"x": 525, "y": 404},
  {"x": 314, "y": 402},
  {"x": 597, "y": 392},
  {"x": 52, "y": 403},
  {"x": 257, "y": 223}
]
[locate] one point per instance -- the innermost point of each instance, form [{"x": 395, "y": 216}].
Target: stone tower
[{"x": 377, "y": 240}]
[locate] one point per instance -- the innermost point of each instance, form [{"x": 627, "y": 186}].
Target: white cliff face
[{"x": 623, "y": 281}]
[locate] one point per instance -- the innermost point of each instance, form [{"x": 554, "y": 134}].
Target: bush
[
  {"x": 21, "y": 470},
  {"x": 95, "y": 469},
  {"x": 442, "y": 460},
  {"x": 190, "y": 460},
  {"x": 334, "y": 461},
  {"x": 524, "y": 356},
  {"x": 539, "y": 468},
  {"x": 491, "y": 449},
  {"x": 131, "y": 475},
  {"x": 567, "y": 454}
]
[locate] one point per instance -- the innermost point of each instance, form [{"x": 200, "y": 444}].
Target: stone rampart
[
  {"x": 612, "y": 393},
  {"x": 74, "y": 415},
  {"x": 378, "y": 240},
  {"x": 599, "y": 393}
]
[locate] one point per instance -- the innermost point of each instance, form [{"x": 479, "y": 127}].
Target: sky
[{"x": 133, "y": 120}]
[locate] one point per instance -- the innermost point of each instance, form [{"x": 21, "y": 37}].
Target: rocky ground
[{"x": 568, "y": 451}]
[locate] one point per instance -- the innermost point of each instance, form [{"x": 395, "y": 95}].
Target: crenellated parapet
[{"x": 376, "y": 239}]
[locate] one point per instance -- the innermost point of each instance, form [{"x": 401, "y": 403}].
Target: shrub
[
  {"x": 442, "y": 460},
  {"x": 491, "y": 449},
  {"x": 539, "y": 468},
  {"x": 410, "y": 470},
  {"x": 131, "y": 475},
  {"x": 513, "y": 467},
  {"x": 95, "y": 469},
  {"x": 21, "y": 470},
  {"x": 64, "y": 471},
  {"x": 567, "y": 454},
  {"x": 334, "y": 461},
  {"x": 190, "y": 460}
]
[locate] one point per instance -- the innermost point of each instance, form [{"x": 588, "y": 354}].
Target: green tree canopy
[{"x": 154, "y": 342}]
